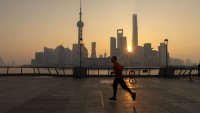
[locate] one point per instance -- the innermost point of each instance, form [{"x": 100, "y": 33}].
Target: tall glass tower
[{"x": 135, "y": 33}]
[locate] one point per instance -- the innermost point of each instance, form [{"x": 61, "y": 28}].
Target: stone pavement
[{"x": 90, "y": 95}]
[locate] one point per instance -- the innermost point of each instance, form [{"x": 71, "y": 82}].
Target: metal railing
[
  {"x": 68, "y": 71},
  {"x": 126, "y": 72}
]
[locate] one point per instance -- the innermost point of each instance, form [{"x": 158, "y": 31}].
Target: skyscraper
[
  {"x": 147, "y": 53},
  {"x": 162, "y": 54},
  {"x": 147, "y": 50},
  {"x": 112, "y": 46},
  {"x": 119, "y": 38},
  {"x": 135, "y": 33},
  {"x": 48, "y": 55},
  {"x": 121, "y": 41},
  {"x": 93, "y": 53}
]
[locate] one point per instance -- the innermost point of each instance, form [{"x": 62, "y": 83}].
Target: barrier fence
[{"x": 68, "y": 71}]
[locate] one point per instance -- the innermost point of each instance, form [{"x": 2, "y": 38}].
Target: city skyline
[{"x": 53, "y": 37}]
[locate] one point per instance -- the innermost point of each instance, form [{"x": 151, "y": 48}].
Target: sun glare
[{"x": 130, "y": 49}]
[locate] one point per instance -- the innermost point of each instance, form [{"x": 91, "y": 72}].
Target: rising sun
[{"x": 130, "y": 49}]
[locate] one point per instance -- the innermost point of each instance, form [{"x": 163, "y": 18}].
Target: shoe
[
  {"x": 134, "y": 96},
  {"x": 113, "y": 98}
]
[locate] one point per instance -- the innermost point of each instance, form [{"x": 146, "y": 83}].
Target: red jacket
[{"x": 118, "y": 68}]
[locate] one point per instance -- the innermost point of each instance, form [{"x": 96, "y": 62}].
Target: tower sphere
[{"x": 80, "y": 24}]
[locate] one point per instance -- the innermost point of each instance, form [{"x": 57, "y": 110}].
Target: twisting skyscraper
[{"x": 135, "y": 33}]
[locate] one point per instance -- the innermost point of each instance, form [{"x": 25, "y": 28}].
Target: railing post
[
  {"x": 190, "y": 72},
  {"x": 63, "y": 70},
  {"x": 180, "y": 72},
  {"x": 34, "y": 70},
  {"x": 108, "y": 71},
  {"x": 21, "y": 71},
  {"x": 49, "y": 71},
  {"x": 185, "y": 71},
  {"x": 149, "y": 72},
  {"x": 38, "y": 70},
  {"x": 88, "y": 71},
  {"x": 139, "y": 71},
  {"x": 7, "y": 70},
  {"x": 98, "y": 71},
  {"x": 56, "y": 70}
]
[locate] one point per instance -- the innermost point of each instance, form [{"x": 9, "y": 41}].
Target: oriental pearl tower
[{"x": 80, "y": 26}]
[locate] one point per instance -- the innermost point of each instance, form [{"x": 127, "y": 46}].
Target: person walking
[{"x": 117, "y": 70}]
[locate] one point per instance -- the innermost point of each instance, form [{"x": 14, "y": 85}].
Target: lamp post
[
  {"x": 166, "y": 43},
  {"x": 81, "y": 43}
]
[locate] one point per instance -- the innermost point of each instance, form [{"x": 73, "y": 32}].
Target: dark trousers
[{"x": 123, "y": 85}]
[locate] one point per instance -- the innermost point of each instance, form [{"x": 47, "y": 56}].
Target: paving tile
[{"x": 90, "y": 95}]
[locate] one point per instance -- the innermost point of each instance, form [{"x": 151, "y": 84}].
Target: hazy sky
[{"x": 27, "y": 26}]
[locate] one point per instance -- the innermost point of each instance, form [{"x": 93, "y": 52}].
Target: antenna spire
[
  {"x": 80, "y": 10},
  {"x": 80, "y": 24},
  {"x": 80, "y": 3}
]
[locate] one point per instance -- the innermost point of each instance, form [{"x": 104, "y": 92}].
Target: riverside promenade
[{"x": 43, "y": 94}]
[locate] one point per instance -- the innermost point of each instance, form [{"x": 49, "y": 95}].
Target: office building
[
  {"x": 147, "y": 54},
  {"x": 39, "y": 58},
  {"x": 112, "y": 46},
  {"x": 121, "y": 42},
  {"x": 76, "y": 53},
  {"x": 147, "y": 50},
  {"x": 162, "y": 54},
  {"x": 93, "y": 52},
  {"x": 135, "y": 33},
  {"x": 48, "y": 56},
  {"x": 59, "y": 56}
]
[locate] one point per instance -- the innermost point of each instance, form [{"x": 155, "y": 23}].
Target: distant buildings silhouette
[
  {"x": 61, "y": 56},
  {"x": 140, "y": 56},
  {"x": 93, "y": 54},
  {"x": 176, "y": 61},
  {"x": 1, "y": 62}
]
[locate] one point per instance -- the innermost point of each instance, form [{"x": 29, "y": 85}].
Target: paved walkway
[{"x": 69, "y": 95}]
